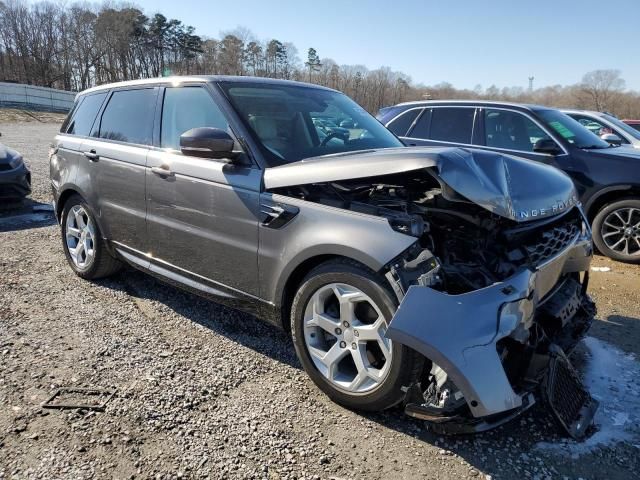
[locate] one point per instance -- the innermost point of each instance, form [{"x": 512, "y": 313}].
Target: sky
[{"x": 465, "y": 42}]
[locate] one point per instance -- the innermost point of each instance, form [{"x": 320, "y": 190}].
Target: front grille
[
  {"x": 5, "y": 167},
  {"x": 552, "y": 239}
]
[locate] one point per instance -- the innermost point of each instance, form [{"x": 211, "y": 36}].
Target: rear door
[
  {"x": 117, "y": 151},
  {"x": 202, "y": 213}
]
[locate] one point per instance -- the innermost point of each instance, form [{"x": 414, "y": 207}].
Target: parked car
[
  {"x": 607, "y": 127},
  {"x": 15, "y": 177},
  {"x": 633, "y": 123},
  {"x": 389, "y": 266},
  {"x": 607, "y": 177}
]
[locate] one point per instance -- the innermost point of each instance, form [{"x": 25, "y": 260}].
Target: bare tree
[{"x": 602, "y": 87}]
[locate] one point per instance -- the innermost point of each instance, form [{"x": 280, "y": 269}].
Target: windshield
[
  {"x": 571, "y": 130},
  {"x": 292, "y": 122},
  {"x": 623, "y": 126}
]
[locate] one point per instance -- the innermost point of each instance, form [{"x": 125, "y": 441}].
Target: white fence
[{"x": 40, "y": 98}]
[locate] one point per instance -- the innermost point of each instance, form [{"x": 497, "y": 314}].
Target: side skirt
[{"x": 197, "y": 284}]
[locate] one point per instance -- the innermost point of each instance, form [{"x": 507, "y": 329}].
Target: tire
[
  {"x": 92, "y": 260},
  {"x": 612, "y": 231},
  {"x": 349, "y": 278}
]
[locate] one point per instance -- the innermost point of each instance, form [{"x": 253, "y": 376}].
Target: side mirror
[
  {"x": 611, "y": 138},
  {"x": 207, "y": 142},
  {"x": 546, "y": 145}
]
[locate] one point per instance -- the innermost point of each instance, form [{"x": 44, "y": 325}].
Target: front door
[{"x": 202, "y": 214}]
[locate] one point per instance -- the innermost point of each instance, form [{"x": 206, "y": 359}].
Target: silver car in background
[
  {"x": 607, "y": 127},
  {"x": 444, "y": 279}
]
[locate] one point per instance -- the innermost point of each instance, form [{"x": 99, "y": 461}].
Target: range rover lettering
[{"x": 419, "y": 276}]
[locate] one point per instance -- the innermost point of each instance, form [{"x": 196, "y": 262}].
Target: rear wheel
[
  {"x": 339, "y": 320},
  {"x": 616, "y": 230},
  {"x": 83, "y": 245}
]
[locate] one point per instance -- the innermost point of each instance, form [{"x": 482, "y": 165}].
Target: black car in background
[
  {"x": 15, "y": 177},
  {"x": 607, "y": 177}
]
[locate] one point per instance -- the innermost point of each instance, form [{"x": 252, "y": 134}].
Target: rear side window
[
  {"x": 400, "y": 126},
  {"x": 452, "y": 124},
  {"x": 186, "y": 108},
  {"x": 83, "y": 114},
  {"x": 128, "y": 116}
]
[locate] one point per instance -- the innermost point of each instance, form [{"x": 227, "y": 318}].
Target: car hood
[
  {"x": 508, "y": 186},
  {"x": 626, "y": 151}
]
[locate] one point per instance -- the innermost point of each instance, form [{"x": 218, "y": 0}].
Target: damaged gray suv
[{"x": 451, "y": 280}]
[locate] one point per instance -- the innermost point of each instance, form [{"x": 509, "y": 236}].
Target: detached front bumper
[
  {"x": 461, "y": 333},
  {"x": 15, "y": 183}
]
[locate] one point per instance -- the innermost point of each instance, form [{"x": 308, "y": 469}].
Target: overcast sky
[{"x": 466, "y": 43}]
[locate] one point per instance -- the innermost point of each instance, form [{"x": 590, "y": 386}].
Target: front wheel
[
  {"x": 616, "y": 230},
  {"x": 339, "y": 319}
]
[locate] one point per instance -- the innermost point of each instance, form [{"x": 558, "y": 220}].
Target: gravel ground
[{"x": 207, "y": 392}]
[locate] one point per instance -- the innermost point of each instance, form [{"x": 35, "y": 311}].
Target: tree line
[{"x": 77, "y": 46}]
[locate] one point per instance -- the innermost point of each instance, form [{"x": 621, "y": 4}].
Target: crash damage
[{"x": 493, "y": 291}]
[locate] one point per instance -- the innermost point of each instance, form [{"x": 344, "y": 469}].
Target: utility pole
[{"x": 531, "y": 84}]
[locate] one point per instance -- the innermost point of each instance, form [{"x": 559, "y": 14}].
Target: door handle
[
  {"x": 162, "y": 171},
  {"x": 92, "y": 155}
]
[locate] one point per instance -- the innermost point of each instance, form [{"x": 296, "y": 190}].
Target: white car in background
[{"x": 607, "y": 127}]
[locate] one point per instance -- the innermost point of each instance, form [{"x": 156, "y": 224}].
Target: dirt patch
[{"x": 16, "y": 115}]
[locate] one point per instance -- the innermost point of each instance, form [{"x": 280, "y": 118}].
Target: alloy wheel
[
  {"x": 344, "y": 333},
  {"x": 621, "y": 231},
  {"x": 79, "y": 236}
]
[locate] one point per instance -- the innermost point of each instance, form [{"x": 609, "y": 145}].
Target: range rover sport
[{"x": 403, "y": 274}]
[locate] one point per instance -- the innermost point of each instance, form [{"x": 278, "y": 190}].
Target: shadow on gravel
[
  {"x": 25, "y": 215},
  {"x": 240, "y": 327}
]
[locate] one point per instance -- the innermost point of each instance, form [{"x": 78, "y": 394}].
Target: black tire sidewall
[
  {"x": 389, "y": 392},
  {"x": 597, "y": 229},
  {"x": 90, "y": 271}
]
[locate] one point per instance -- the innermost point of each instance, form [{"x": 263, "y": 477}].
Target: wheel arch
[
  {"x": 608, "y": 195},
  {"x": 299, "y": 272}
]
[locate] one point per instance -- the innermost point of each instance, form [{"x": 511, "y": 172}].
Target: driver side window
[
  {"x": 511, "y": 130},
  {"x": 185, "y": 108}
]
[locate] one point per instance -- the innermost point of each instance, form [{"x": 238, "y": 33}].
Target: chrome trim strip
[{"x": 152, "y": 259}]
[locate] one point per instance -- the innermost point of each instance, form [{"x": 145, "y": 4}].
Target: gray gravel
[{"x": 204, "y": 391}]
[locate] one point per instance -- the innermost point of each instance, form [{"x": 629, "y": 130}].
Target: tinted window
[
  {"x": 452, "y": 124},
  {"x": 187, "y": 108},
  {"x": 421, "y": 128},
  {"x": 84, "y": 113},
  {"x": 129, "y": 116},
  {"x": 511, "y": 130},
  {"x": 400, "y": 126}
]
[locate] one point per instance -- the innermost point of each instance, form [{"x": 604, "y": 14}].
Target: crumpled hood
[{"x": 508, "y": 186}]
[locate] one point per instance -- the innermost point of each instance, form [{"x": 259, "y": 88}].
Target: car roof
[
  {"x": 178, "y": 79},
  {"x": 474, "y": 103}
]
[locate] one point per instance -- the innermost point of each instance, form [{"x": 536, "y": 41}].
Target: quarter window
[
  {"x": 511, "y": 131},
  {"x": 400, "y": 126},
  {"x": 84, "y": 114},
  {"x": 186, "y": 108},
  {"x": 452, "y": 124},
  {"x": 128, "y": 116}
]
